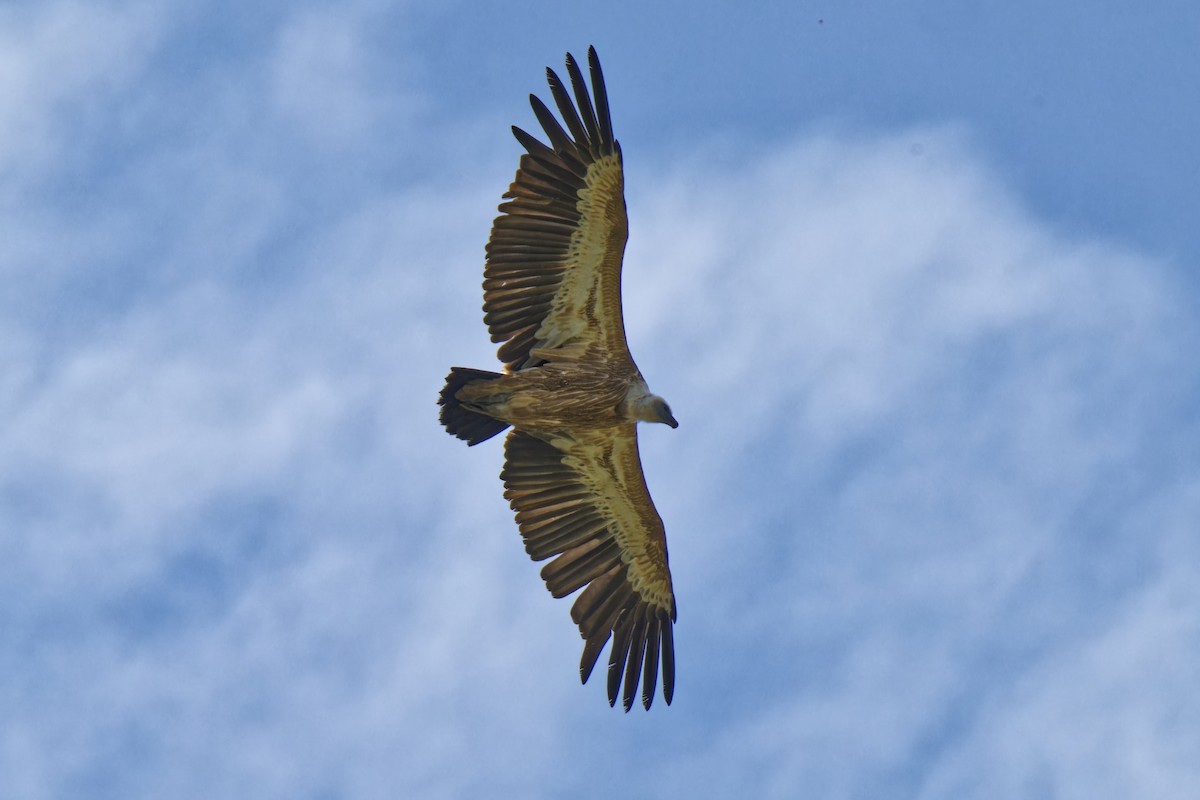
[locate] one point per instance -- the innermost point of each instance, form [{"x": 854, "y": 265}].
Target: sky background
[{"x": 917, "y": 278}]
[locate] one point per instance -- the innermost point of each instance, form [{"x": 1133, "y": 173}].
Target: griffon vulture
[{"x": 571, "y": 392}]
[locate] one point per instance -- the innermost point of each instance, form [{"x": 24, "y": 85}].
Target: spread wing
[
  {"x": 552, "y": 282},
  {"x": 589, "y": 506}
]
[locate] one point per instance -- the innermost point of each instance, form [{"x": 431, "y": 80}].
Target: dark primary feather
[
  {"x": 585, "y": 106},
  {"x": 608, "y": 142},
  {"x": 565, "y": 107}
]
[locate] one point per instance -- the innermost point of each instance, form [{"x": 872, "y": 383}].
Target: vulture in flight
[{"x": 571, "y": 392}]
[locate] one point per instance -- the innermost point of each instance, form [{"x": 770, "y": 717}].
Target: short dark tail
[{"x": 467, "y": 425}]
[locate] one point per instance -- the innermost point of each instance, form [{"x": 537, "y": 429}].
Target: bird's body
[
  {"x": 555, "y": 397},
  {"x": 572, "y": 393}
]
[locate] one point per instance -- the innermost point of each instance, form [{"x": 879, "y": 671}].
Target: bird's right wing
[{"x": 589, "y": 506}]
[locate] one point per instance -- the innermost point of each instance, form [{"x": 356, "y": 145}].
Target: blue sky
[{"x": 919, "y": 285}]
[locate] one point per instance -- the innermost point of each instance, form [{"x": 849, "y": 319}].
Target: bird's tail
[{"x": 470, "y": 426}]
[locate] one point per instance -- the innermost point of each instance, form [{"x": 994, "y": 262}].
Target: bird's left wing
[{"x": 588, "y": 505}]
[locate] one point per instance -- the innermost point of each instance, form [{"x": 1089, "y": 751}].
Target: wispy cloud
[{"x": 51, "y": 56}]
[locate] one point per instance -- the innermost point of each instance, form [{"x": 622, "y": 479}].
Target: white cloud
[
  {"x": 1098, "y": 716},
  {"x": 55, "y": 59},
  {"x": 322, "y": 80}
]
